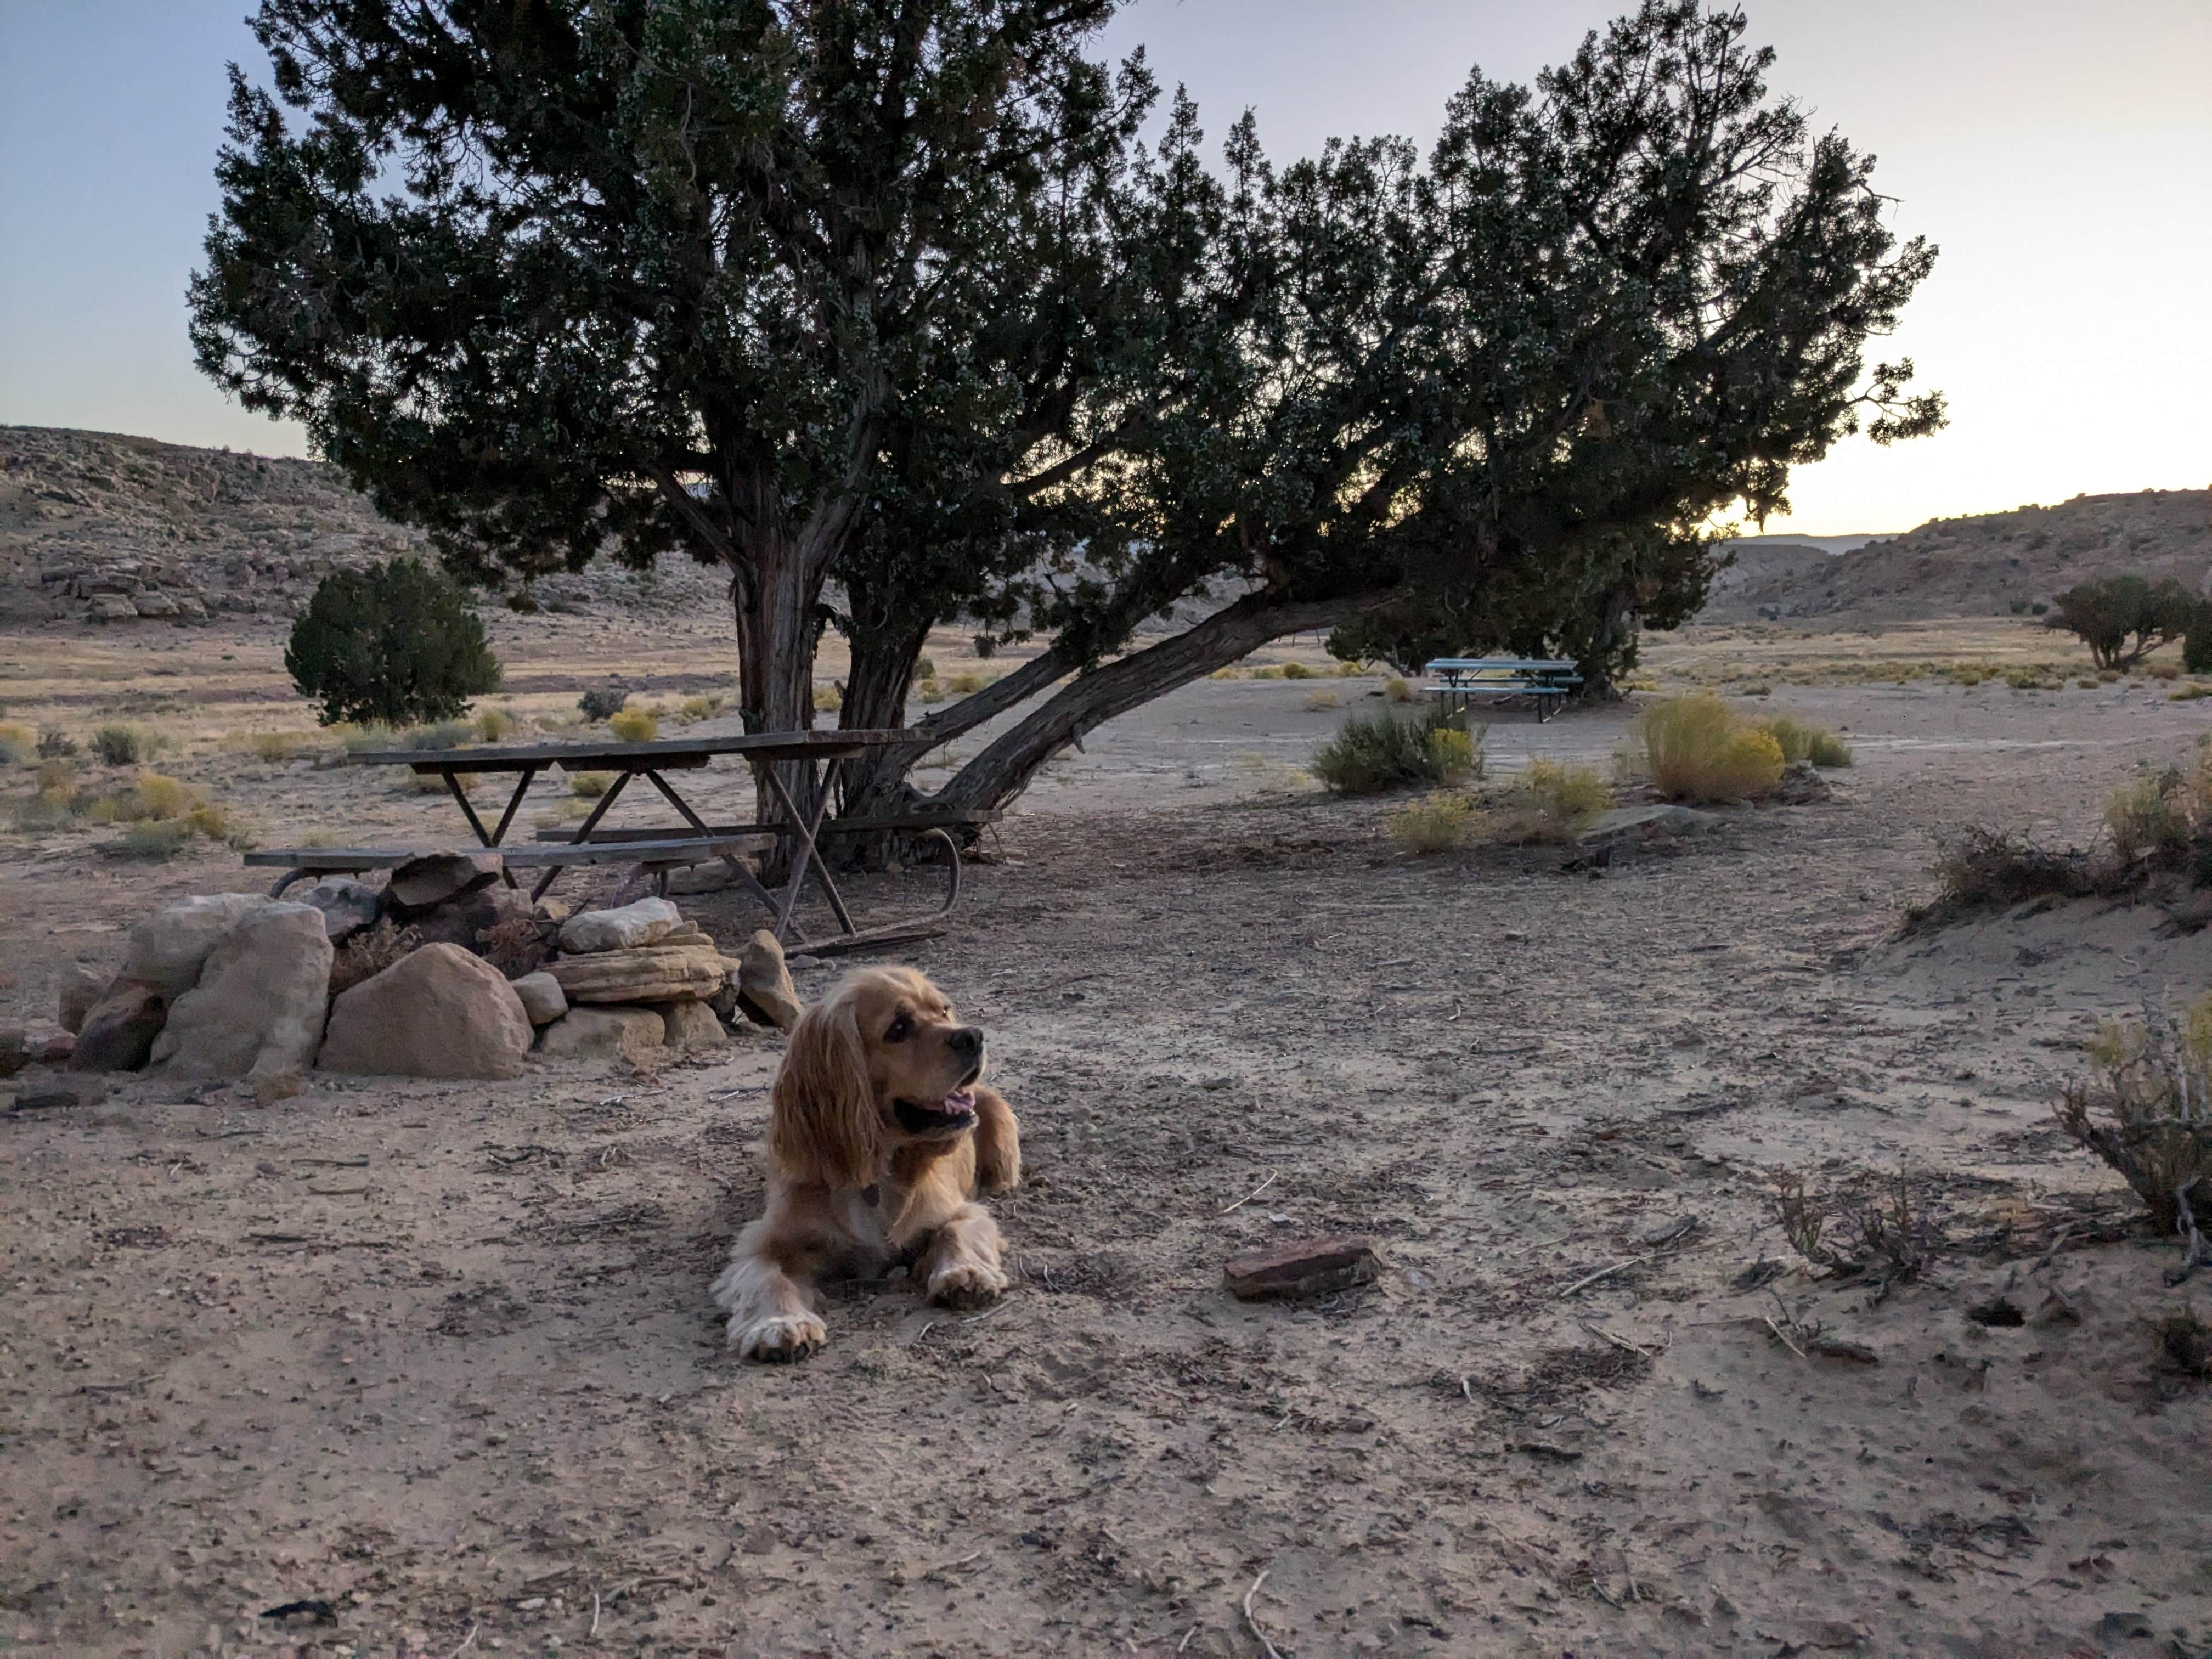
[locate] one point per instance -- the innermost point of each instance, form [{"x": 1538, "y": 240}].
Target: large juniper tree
[{"x": 591, "y": 276}]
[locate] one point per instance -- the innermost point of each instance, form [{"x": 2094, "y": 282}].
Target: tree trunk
[
  {"x": 1002, "y": 771},
  {"x": 775, "y": 596}
]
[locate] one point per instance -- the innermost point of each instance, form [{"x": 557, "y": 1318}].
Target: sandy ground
[{"x": 440, "y": 1356}]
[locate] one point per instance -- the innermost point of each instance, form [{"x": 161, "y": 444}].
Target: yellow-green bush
[
  {"x": 120, "y": 745},
  {"x": 1298, "y": 670},
  {"x": 1696, "y": 748},
  {"x": 1800, "y": 742},
  {"x": 704, "y": 708},
  {"x": 1571, "y": 796},
  {"x": 966, "y": 685},
  {"x": 1398, "y": 689},
  {"x": 1372, "y": 753},
  {"x": 493, "y": 723},
  {"x": 1349, "y": 670},
  {"x": 828, "y": 699},
  {"x": 634, "y": 726},
  {"x": 930, "y": 690},
  {"x": 18, "y": 742},
  {"x": 1439, "y": 822},
  {"x": 590, "y": 786},
  {"x": 1270, "y": 672},
  {"x": 1319, "y": 700}
]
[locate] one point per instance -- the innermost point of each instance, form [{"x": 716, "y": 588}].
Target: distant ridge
[{"x": 1993, "y": 564}]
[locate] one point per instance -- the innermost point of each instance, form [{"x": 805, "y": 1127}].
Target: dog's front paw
[
  {"x": 966, "y": 1285},
  {"x": 778, "y": 1337}
]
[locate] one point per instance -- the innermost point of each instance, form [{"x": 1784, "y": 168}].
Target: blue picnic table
[{"x": 1542, "y": 683}]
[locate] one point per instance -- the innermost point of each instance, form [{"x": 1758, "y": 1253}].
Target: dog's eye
[{"x": 902, "y": 1028}]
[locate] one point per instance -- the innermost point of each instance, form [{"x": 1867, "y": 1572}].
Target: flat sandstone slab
[{"x": 1314, "y": 1267}]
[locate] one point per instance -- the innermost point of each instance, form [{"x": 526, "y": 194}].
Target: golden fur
[{"x": 875, "y": 1158}]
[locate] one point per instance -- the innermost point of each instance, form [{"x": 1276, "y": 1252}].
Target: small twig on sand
[
  {"x": 1187, "y": 1635},
  {"x": 1249, "y": 1196},
  {"x": 1621, "y": 1341},
  {"x": 1466, "y": 1387},
  {"x": 594, "y": 1630},
  {"x": 2056, "y": 1244},
  {"x": 1603, "y": 1273},
  {"x": 467, "y": 1642},
  {"x": 1783, "y": 1336},
  {"x": 1259, "y": 1634}
]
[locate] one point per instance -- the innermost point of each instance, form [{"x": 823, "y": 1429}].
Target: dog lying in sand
[{"x": 880, "y": 1136}]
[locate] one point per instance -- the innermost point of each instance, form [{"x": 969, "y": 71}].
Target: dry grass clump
[
  {"x": 123, "y": 745},
  {"x": 1569, "y": 795},
  {"x": 2146, "y": 1109},
  {"x": 1439, "y": 823},
  {"x": 1317, "y": 701},
  {"x": 1373, "y": 753},
  {"x": 703, "y": 708},
  {"x": 2185, "y": 1341},
  {"x": 2165, "y": 823},
  {"x": 370, "y": 951},
  {"x": 828, "y": 699},
  {"x": 1398, "y": 689},
  {"x": 1880, "y": 1239},
  {"x": 1983, "y": 869},
  {"x": 494, "y": 724},
  {"x": 1298, "y": 670},
  {"x": 966, "y": 685},
  {"x": 1272, "y": 671},
  {"x": 1698, "y": 749},
  {"x": 446, "y": 734},
  {"x": 590, "y": 786},
  {"x": 54, "y": 744},
  {"x": 163, "y": 816},
  {"x": 1351, "y": 671},
  {"x": 930, "y": 690},
  {"x": 1800, "y": 742},
  {"x": 638, "y": 725},
  {"x": 19, "y": 745}
]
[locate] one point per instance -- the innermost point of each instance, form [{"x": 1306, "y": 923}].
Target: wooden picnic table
[{"x": 661, "y": 850}]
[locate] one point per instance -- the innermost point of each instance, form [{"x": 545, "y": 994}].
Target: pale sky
[{"x": 2061, "y": 155}]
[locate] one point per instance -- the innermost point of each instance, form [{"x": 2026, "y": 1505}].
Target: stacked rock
[{"x": 630, "y": 980}]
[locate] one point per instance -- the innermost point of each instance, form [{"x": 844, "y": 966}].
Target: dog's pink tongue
[{"x": 959, "y": 1101}]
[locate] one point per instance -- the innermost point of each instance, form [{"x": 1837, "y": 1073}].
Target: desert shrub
[
  {"x": 1372, "y": 753},
  {"x": 2165, "y": 823},
  {"x": 925, "y": 668},
  {"x": 1696, "y": 748},
  {"x": 447, "y": 734},
  {"x": 118, "y": 746},
  {"x": 1569, "y": 796},
  {"x": 1398, "y": 689},
  {"x": 1349, "y": 670},
  {"x": 1800, "y": 742},
  {"x": 274, "y": 746},
  {"x": 590, "y": 786},
  {"x": 2196, "y": 642},
  {"x": 2123, "y": 619},
  {"x": 1439, "y": 822},
  {"x": 2161, "y": 670},
  {"x": 966, "y": 685},
  {"x": 158, "y": 838},
  {"x": 2146, "y": 1108},
  {"x": 634, "y": 726},
  {"x": 828, "y": 699},
  {"x": 1317, "y": 701},
  {"x": 434, "y": 783},
  {"x": 2185, "y": 1342},
  {"x": 703, "y": 708},
  {"x": 370, "y": 951},
  {"x": 152, "y": 796},
  {"x": 1298, "y": 670},
  {"x": 930, "y": 690},
  {"x": 19, "y": 745},
  {"x": 1272, "y": 671},
  {"x": 54, "y": 744},
  {"x": 397, "y": 642},
  {"x": 602, "y": 705},
  {"x": 493, "y": 723},
  {"x": 367, "y": 739},
  {"x": 1983, "y": 869},
  {"x": 518, "y": 945},
  {"x": 1880, "y": 1238},
  {"x": 2190, "y": 693},
  {"x": 1222, "y": 674}
]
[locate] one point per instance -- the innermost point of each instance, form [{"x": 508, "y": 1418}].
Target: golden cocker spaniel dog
[{"x": 880, "y": 1135}]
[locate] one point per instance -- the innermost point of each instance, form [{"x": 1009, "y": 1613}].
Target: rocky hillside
[
  {"x": 1993, "y": 565},
  {"x": 107, "y": 528}
]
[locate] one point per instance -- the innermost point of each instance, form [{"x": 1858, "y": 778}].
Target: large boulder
[
  {"x": 437, "y": 1011},
  {"x": 257, "y": 1009},
  {"x": 764, "y": 987},
  {"x": 691, "y": 1026},
  {"x": 645, "y": 922},
  {"x": 468, "y": 920},
  {"x": 348, "y": 906},
  {"x": 168, "y": 947},
  {"x": 117, "y": 1032},
  {"x": 686, "y": 971},
  {"x": 604, "y": 1033},
  {"x": 543, "y": 999},
  {"x": 433, "y": 879}
]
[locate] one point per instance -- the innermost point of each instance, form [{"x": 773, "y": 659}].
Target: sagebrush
[
  {"x": 2146, "y": 1108},
  {"x": 1698, "y": 749},
  {"x": 1371, "y": 754}
]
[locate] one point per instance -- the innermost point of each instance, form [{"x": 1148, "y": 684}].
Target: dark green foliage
[
  {"x": 395, "y": 643},
  {"x": 602, "y": 705},
  {"x": 1371, "y": 754},
  {"x": 2196, "y": 642},
  {"x": 54, "y": 743},
  {"x": 118, "y": 745},
  {"x": 2123, "y": 619}
]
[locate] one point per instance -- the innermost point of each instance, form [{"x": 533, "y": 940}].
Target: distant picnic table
[
  {"x": 1543, "y": 682},
  {"x": 658, "y": 850}
]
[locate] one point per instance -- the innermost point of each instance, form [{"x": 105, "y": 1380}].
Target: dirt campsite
[{"x": 433, "y": 1366}]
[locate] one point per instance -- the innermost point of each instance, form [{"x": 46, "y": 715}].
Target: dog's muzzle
[{"x": 951, "y": 1116}]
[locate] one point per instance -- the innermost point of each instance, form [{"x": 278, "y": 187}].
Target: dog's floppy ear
[{"x": 824, "y": 1127}]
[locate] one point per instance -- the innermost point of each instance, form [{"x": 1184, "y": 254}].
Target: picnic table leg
[
  {"x": 699, "y": 823},
  {"x": 804, "y": 829},
  {"x": 583, "y": 833},
  {"x": 453, "y": 783}
]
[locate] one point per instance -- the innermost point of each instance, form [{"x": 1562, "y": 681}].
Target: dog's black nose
[{"x": 967, "y": 1042}]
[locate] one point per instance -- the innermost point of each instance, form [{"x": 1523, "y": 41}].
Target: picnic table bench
[
  {"x": 658, "y": 851},
  {"x": 1543, "y": 682}
]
